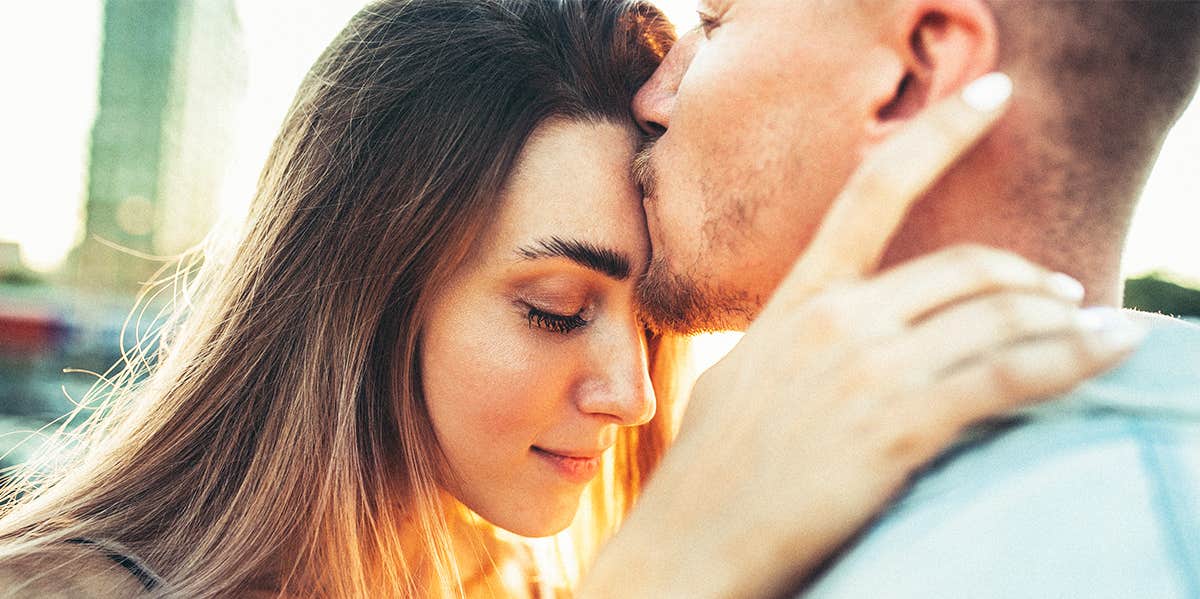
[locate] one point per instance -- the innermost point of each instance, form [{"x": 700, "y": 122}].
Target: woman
[{"x": 426, "y": 337}]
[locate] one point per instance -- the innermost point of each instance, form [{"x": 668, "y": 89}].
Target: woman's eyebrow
[{"x": 607, "y": 261}]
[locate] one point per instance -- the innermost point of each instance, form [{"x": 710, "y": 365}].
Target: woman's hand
[{"x": 846, "y": 383}]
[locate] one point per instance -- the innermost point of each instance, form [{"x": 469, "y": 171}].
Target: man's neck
[{"x": 1034, "y": 228}]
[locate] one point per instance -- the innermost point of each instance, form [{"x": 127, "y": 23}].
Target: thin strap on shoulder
[{"x": 148, "y": 579}]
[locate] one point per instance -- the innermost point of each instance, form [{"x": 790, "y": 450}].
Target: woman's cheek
[
  {"x": 513, "y": 387},
  {"x": 492, "y": 388}
]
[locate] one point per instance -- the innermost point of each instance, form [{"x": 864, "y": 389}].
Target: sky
[{"x": 44, "y": 126}]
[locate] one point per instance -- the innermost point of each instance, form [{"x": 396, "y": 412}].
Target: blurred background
[{"x": 133, "y": 128}]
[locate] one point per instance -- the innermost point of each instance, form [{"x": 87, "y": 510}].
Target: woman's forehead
[{"x": 573, "y": 179}]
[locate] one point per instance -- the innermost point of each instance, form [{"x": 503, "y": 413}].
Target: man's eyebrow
[{"x": 604, "y": 260}]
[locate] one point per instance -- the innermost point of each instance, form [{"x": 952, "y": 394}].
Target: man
[{"x": 761, "y": 115}]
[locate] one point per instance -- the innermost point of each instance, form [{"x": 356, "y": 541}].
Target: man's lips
[{"x": 647, "y": 198}]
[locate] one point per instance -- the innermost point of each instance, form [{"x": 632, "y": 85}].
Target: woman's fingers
[
  {"x": 963, "y": 332},
  {"x": 863, "y": 218},
  {"x": 904, "y": 296},
  {"x": 930, "y": 409},
  {"x": 1036, "y": 368},
  {"x": 923, "y": 285}
]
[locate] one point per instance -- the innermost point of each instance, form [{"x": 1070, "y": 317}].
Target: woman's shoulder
[{"x": 66, "y": 571}]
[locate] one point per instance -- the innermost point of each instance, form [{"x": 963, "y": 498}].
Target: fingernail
[
  {"x": 988, "y": 92},
  {"x": 1111, "y": 329},
  {"x": 1066, "y": 287}
]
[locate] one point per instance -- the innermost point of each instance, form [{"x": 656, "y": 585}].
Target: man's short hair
[{"x": 1123, "y": 70}]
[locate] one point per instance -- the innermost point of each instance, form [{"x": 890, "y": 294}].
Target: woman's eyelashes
[
  {"x": 555, "y": 323},
  {"x": 557, "y": 304}
]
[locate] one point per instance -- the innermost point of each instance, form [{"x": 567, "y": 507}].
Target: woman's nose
[{"x": 619, "y": 386}]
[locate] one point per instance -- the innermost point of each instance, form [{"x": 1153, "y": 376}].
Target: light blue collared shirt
[{"x": 1095, "y": 495}]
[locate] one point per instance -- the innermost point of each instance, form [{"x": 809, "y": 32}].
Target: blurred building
[{"x": 172, "y": 73}]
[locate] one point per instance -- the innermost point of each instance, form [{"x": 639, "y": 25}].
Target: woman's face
[{"x": 533, "y": 356}]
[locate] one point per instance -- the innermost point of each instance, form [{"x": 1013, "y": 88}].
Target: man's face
[{"x": 762, "y": 128}]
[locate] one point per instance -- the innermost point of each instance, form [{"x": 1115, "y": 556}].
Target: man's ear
[{"x": 939, "y": 46}]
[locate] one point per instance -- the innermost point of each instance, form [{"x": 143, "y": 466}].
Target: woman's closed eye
[
  {"x": 560, "y": 302},
  {"x": 556, "y": 323}
]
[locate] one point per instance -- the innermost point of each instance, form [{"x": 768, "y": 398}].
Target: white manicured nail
[
  {"x": 988, "y": 92},
  {"x": 1066, "y": 287},
  {"x": 1113, "y": 330}
]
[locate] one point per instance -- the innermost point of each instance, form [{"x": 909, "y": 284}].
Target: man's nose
[
  {"x": 654, "y": 102},
  {"x": 619, "y": 387}
]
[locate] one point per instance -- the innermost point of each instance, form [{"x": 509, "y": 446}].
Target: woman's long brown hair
[{"x": 277, "y": 437}]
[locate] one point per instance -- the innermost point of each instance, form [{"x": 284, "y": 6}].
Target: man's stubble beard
[{"x": 678, "y": 302}]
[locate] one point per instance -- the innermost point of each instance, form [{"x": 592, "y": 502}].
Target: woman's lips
[{"x": 575, "y": 468}]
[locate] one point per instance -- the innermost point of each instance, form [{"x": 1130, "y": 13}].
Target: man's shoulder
[
  {"x": 67, "y": 571},
  {"x": 1095, "y": 494},
  {"x": 1102, "y": 503}
]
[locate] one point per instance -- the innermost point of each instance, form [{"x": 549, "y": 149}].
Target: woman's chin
[
  {"x": 534, "y": 521},
  {"x": 538, "y": 527},
  {"x": 535, "y": 532}
]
